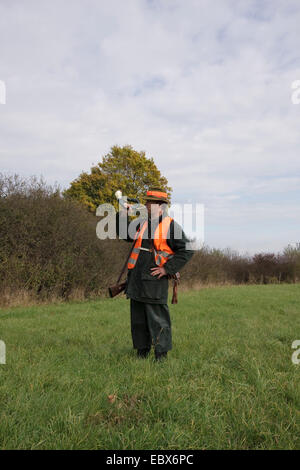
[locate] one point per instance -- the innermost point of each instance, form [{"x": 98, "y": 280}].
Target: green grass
[{"x": 228, "y": 383}]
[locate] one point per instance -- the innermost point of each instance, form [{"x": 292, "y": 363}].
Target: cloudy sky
[{"x": 205, "y": 88}]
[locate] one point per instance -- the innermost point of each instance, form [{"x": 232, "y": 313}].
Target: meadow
[{"x": 72, "y": 380}]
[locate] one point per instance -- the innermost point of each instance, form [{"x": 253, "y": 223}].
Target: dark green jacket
[{"x": 141, "y": 285}]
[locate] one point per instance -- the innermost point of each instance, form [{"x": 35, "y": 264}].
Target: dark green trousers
[{"x": 150, "y": 325}]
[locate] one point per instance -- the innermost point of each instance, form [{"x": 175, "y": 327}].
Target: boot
[
  {"x": 143, "y": 353},
  {"x": 160, "y": 356}
]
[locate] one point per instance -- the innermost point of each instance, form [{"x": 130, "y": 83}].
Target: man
[{"x": 159, "y": 251}]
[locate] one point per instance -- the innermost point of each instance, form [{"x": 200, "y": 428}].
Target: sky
[{"x": 204, "y": 88}]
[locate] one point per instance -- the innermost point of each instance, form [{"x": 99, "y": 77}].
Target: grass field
[{"x": 72, "y": 380}]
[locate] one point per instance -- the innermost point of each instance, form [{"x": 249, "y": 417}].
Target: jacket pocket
[{"x": 151, "y": 286}]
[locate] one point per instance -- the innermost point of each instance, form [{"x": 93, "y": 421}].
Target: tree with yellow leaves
[{"x": 123, "y": 168}]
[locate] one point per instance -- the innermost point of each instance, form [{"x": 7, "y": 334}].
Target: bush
[{"x": 49, "y": 246}]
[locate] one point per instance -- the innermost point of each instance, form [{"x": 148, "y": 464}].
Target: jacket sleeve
[{"x": 178, "y": 245}]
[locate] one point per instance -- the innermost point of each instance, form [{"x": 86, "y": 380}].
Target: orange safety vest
[{"x": 162, "y": 251}]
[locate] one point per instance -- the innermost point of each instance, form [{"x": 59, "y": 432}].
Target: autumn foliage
[{"x": 123, "y": 168}]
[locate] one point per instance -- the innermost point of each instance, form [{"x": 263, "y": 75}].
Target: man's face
[{"x": 154, "y": 209}]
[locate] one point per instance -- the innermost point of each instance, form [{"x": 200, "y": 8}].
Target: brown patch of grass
[
  {"x": 24, "y": 298},
  {"x": 126, "y": 408}
]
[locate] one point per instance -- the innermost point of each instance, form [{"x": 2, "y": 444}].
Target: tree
[
  {"x": 265, "y": 265},
  {"x": 122, "y": 168}
]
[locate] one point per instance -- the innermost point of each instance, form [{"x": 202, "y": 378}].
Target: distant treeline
[{"x": 49, "y": 251}]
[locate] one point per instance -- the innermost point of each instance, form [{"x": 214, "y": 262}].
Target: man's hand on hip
[{"x": 160, "y": 272}]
